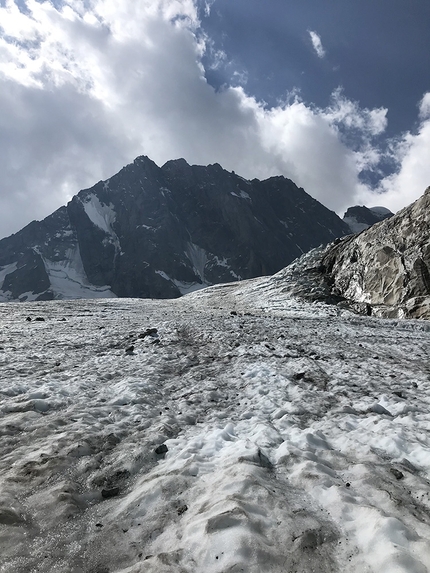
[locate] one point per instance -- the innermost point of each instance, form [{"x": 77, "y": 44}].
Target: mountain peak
[
  {"x": 162, "y": 232},
  {"x": 359, "y": 217}
]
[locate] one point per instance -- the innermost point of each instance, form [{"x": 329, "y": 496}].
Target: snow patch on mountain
[
  {"x": 198, "y": 258},
  {"x": 69, "y": 280},
  {"x": 102, "y": 216},
  {"x": 242, "y": 195},
  {"x": 183, "y": 287}
]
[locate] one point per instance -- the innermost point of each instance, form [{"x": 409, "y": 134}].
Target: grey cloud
[{"x": 52, "y": 143}]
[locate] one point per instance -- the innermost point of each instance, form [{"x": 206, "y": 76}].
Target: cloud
[
  {"x": 410, "y": 153},
  {"x": 425, "y": 107},
  {"x": 88, "y": 86},
  {"x": 317, "y": 44}
]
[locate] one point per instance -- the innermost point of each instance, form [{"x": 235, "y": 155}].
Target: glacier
[{"x": 234, "y": 429}]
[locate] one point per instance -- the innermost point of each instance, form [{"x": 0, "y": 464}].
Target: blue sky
[
  {"x": 334, "y": 95},
  {"x": 377, "y": 51}
]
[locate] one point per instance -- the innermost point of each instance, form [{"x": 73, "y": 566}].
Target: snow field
[{"x": 297, "y": 437}]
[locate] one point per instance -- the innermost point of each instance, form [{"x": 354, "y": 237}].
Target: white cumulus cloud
[
  {"x": 88, "y": 85},
  {"x": 411, "y": 154}
]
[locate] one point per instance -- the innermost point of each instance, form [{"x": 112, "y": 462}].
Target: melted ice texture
[{"x": 297, "y": 435}]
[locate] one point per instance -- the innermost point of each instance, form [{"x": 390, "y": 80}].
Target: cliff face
[
  {"x": 386, "y": 268},
  {"x": 162, "y": 232}
]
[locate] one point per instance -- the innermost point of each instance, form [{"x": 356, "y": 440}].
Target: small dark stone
[
  {"x": 182, "y": 509},
  {"x": 129, "y": 350},
  {"x": 396, "y": 473},
  {"x": 62, "y": 319},
  {"x": 162, "y": 449},
  {"x": 107, "y": 493},
  {"x": 39, "y": 319},
  {"x": 148, "y": 332},
  {"x": 299, "y": 375},
  {"x": 99, "y": 524},
  {"x": 398, "y": 393},
  {"x": 414, "y": 385},
  {"x": 263, "y": 460},
  {"x": 112, "y": 440},
  {"x": 233, "y": 313},
  {"x": 155, "y": 341},
  {"x": 28, "y": 319},
  {"x": 347, "y": 484}
]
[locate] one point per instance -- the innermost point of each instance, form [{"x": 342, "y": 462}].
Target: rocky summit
[
  {"x": 159, "y": 232},
  {"x": 383, "y": 271},
  {"x": 359, "y": 217}
]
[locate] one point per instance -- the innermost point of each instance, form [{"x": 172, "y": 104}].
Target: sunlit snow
[{"x": 234, "y": 429}]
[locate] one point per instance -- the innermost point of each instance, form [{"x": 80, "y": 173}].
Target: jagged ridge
[{"x": 161, "y": 232}]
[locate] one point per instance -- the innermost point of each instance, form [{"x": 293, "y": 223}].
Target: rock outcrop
[
  {"x": 162, "y": 232},
  {"x": 385, "y": 270}
]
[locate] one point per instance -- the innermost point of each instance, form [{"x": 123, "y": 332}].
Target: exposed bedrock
[{"x": 386, "y": 268}]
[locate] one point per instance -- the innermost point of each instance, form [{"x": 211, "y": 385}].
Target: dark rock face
[
  {"x": 29, "y": 276},
  {"x": 359, "y": 218},
  {"x": 385, "y": 270},
  {"x": 161, "y": 232}
]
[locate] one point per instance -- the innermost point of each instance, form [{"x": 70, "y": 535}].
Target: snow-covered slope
[{"x": 234, "y": 429}]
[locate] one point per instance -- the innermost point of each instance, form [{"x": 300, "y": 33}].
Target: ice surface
[{"x": 297, "y": 436}]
